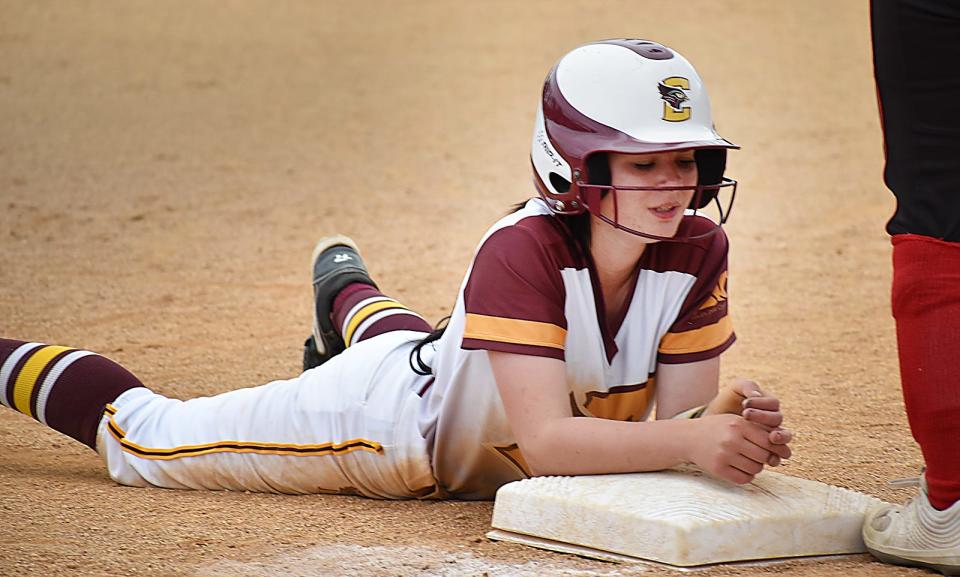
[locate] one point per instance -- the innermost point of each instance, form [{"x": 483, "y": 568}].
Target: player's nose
[{"x": 669, "y": 175}]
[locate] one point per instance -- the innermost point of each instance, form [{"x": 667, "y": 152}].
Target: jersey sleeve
[
  {"x": 514, "y": 297},
  {"x": 703, "y": 328}
]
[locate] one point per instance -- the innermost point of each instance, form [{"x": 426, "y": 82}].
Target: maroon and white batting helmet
[{"x": 627, "y": 96}]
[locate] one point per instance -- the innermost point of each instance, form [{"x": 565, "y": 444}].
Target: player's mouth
[{"x": 666, "y": 211}]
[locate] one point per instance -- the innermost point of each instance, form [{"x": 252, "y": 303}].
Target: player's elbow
[
  {"x": 543, "y": 452},
  {"x": 551, "y": 463},
  {"x": 540, "y": 467}
]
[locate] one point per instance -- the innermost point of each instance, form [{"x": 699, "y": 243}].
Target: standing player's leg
[
  {"x": 916, "y": 47},
  {"x": 348, "y": 306}
]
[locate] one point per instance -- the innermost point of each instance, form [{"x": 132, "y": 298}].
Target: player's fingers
[
  {"x": 774, "y": 460},
  {"x": 735, "y": 475},
  {"x": 782, "y": 450},
  {"x": 763, "y": 403},
  {"x": 767, "y": 418},
  {"x": 747, "y": 388},
  {"x": 753, "y": 452},
  {"x": 760, "y": 437},
  {"x": 748, "y": 466},
  {"x": 781, "y": 436}
]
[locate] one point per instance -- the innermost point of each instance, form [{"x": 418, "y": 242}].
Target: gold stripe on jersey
[
  {"x": 240, "y": 447},
  {"x": 30, "y": 374},
  {"x": 624, "y": 403},
  {"x": 512, "y": 453},
  {"x": 364, "y": 313},
  {"x": 514, "y": 331},
  {"x": 697, "y": 340}
]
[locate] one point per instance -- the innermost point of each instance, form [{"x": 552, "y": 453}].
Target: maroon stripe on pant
[{"x": 426, "y": 387}]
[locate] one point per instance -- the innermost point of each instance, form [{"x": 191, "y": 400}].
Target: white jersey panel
[
  {"x": 655, "y": 306},
  {"x": 585, "y": 354}
]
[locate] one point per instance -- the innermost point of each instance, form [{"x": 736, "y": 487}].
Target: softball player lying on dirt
[{"x": 589, "y": 304}]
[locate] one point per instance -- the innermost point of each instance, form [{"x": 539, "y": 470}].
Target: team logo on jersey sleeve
[
  {"x": 675, "y": 107},
  {"x": 719, "y": 294}
]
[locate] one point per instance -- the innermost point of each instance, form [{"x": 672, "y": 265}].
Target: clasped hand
[{"x": 740, "y": 432}]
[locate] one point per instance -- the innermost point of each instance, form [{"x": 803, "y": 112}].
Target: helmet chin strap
[{"x": 655, "y": 237}]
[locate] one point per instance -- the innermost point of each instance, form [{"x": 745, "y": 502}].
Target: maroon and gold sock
[
  {"x": 360, "y": 311},
  {"x": 62, "y": 387},
  {"x": 926, "y": 305}
]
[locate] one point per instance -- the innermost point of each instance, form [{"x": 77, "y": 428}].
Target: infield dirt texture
[{"x": 166, "y": 167}]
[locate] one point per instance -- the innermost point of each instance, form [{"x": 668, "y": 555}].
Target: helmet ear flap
[{"x": 711, "y": 164}]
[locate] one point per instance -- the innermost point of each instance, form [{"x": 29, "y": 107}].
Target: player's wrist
[{"x": 693, "y": 435}]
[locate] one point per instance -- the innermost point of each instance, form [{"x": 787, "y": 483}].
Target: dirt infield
[{"x": 165, "y": 168}]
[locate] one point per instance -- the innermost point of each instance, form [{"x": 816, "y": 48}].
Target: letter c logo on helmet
[
  {"x": 674, "y": 97},
  {"x": 626, "y": 96}
]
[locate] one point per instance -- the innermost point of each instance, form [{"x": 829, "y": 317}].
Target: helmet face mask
[
  {"x": 622, "y": 96},
  {"x": 703, "y": 195}
]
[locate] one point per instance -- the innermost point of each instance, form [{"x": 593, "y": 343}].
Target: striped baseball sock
[
  {"x": 926, "y": 305},
  {"x": 63, "y": 388},
  {"x": 361, "y": 311}
]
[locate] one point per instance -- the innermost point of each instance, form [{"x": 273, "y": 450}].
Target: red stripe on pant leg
[{"x": 926, "y": 306}]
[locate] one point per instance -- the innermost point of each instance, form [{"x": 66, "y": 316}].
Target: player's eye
[{"x": 643, "y": 165}]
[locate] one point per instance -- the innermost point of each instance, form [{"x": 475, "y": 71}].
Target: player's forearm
[{"x": 585, "y": 445}]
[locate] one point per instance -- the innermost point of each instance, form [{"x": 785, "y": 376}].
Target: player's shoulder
[
  {"x": 707, "y": 248},
  {"x": 531, "y": 233}
]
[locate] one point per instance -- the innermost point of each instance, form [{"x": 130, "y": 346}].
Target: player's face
[{"x": 655, "y": 212}]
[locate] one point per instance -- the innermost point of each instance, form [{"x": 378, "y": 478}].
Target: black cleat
[
  {"x": 336, "y": 263},
  {"x": 311, "y": 358}
]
